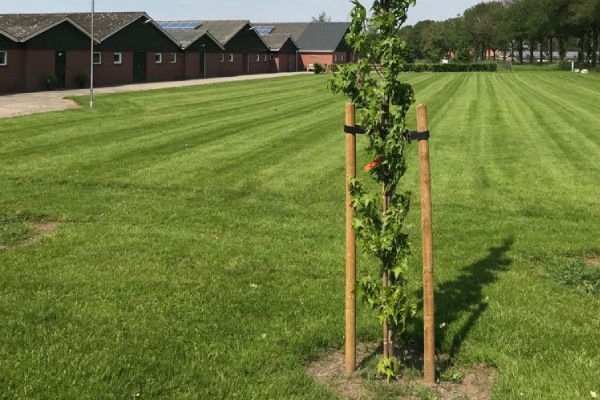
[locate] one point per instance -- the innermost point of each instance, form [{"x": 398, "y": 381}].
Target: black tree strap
[
  {"x": 409, "y": 135},
  {"x": 413, "y": 135},
  {"x": 360, "y": 130},
  {"x": 355, "y": 130}
]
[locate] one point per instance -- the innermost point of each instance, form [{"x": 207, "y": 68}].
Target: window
[
  {"x": 342, "y": 57},
  {"x": 335, "y": 58},
  {"x": 272, "y": 56},
  {"x": 265, "y": 57},
  {"x": 97, "y": 58},
  {"x": 230, "y": 57},
  {"x": 221, "y": 57},
  {"x": 118, "y": 58},
  {"x": 258, "y": 57},
  {"x": 3, "y": 57},
  {"x": 173, "y": 58},
  {"x": 158, "y": 58}
]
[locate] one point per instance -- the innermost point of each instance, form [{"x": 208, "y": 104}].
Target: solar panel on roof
[
  {"x": 180, "y": 25},
  {"x": 264, "y": 30}
]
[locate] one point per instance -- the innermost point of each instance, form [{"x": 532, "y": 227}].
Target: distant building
[
  {"x": 318, "y": 42},
  {"x": 41, "y": 51}
]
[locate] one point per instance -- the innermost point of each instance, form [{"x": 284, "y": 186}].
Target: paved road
[{"x": 42, "y": 102}]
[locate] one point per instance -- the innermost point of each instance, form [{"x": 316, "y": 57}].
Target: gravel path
[{"x": 42, "y": 102}]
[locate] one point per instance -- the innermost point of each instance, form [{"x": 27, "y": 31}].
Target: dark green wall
[
  {"x": 7, "y": 44},
  {"x": 288, "y": 47},
  {"x": 204, "y": 44},
  {"x": 63, "y": 36},
  {"x": 246, "y": 41},
  {"x": 343, "y": 46},
  {"x": 138, "y": 36}
]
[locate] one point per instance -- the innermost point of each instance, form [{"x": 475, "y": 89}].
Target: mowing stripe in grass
[{"x": 215, "y": 270}]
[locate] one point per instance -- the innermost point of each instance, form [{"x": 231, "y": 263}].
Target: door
[
  {"x": 60, "y": 68},
  {"x": 139, "y": 67},
  {"x": 202, "y": 64},
  {"x": 246, "y": 62}
]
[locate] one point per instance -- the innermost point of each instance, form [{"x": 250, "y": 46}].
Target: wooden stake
[
  {"x": 350, "y": 246},
  {"x": 427, "y": 235}
]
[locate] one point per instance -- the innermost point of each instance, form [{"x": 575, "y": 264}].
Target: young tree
[{"x": 382, "y": 101}]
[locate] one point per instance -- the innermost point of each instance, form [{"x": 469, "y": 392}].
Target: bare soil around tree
[{"x": 473, "y": 382}]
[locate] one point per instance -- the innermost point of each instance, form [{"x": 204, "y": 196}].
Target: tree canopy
[
  {"x": 322, "y": 18},
  {"x": 511, "y": 28}
]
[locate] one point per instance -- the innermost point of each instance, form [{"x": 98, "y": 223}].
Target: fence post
[
  {"x": 427, "y": 238},
  {"x": 350, "y": 309}
]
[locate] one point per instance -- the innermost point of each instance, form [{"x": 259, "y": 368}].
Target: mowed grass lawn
[{"x": 200, "y": 246}]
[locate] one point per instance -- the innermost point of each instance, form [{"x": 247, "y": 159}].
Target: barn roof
[
  {"x": 323, "y": 36},
  {"x": 224, "y": 30},
  {"x": 277, "y": 41},
  {"x": 293, "y": 29},
  {"x": 26, "y": 26},
  {"x": 187, "y": 37},
  {"x": 310, "y": 36}
]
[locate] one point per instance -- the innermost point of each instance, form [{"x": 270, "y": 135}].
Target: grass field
[{"x": 199, "y": 251}]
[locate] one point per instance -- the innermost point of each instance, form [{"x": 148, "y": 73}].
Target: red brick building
[
  {"x": 242, "y": 49},
  {"x": 12, "y": 63},
  {"x": 318, "y": 42},
  {"x": 42, "y": 51},
  {"x": 54, "y": 50},
  {"x": 201, "y": 51},
  {"x": 284, "y": 52}
]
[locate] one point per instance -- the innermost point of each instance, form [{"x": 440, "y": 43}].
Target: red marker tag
[{"x": 372, "y": 164}]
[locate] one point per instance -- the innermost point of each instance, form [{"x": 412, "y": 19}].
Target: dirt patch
[
  {"x": 472, "y": 383},
  {"x": 330, "y": 372},
  {"x": 476, "y": 384},
  {"x": 593, "y": 260},
  {"x": 40, "y": 230},
  {"x": 44, "y": 228}
]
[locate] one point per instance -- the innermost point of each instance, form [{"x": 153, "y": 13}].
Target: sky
[{"x": 253, "y": 10}]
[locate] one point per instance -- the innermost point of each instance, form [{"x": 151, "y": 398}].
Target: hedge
[{"x": 450, "y": 68}]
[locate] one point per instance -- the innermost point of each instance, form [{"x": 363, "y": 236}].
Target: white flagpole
[{"x": 92, "y": 61}]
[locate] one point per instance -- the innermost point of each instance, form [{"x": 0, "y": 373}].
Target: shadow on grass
[
  {"x": 460, "y": 299},
  {"x": 464, "y": 295}
]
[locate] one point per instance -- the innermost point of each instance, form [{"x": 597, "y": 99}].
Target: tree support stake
[
  {"x": 350, "y": 308},
  {"x": 427, "y": 239}
]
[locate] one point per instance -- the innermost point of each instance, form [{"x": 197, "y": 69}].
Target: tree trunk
[
  {"x": 521, "y": 51},
  {"x": 551, "y": 50},
  {"x": 589, "y": 47},
  {"x": 562, "y": 50},
  {"x": 594, "y": 47},
  {"x": 541, "y": 52},
  {"x": 531, "y": 50},
  {"x": 388, "y": 345},
  {"x": 581, "y": 50}
]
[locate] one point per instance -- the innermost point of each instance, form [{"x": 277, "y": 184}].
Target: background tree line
[{"x": 513, "y": 29}]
